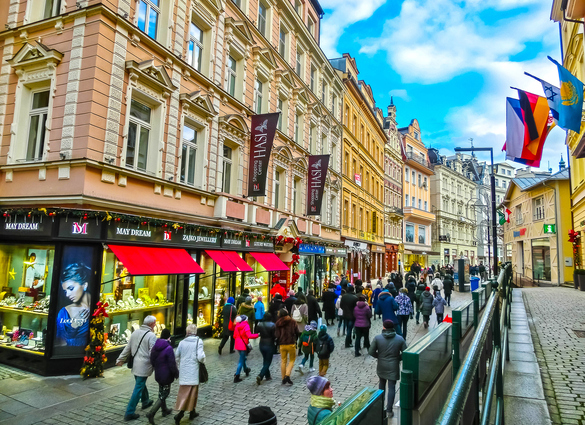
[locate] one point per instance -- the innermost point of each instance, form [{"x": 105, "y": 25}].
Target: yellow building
[
  {"x": 536, "y": 238},
  {"x": 572, "y": 49},
  {"x": 363, "y": 176},
  {"x": 417, "y": 198}
]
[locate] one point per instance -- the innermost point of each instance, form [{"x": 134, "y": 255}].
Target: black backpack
[{"x": 322, "y": 348}]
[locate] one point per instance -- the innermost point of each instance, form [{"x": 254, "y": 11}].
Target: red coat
[
  {"x": 242, "y": 335},
  {"x": 278, "y": 289}
]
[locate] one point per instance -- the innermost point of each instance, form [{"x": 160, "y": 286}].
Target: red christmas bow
[{"x": 101, "y": 309}]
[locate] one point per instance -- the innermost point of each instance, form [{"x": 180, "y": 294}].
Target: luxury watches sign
[
  {"x": 318, "y": 165},
  {"x": 263, "y": 131}
]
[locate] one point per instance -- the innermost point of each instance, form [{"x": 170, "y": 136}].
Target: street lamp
[
  {"x": 493, "y": 190},
  {"x": 480, "y": 206}
]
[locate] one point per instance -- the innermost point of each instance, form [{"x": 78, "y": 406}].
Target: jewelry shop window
[
  {"x": 205, "y": 297},
  {"x": 256, "y": 281},
  {"x": 131, "y": 298},
  {"x": 25, "y": 286}
]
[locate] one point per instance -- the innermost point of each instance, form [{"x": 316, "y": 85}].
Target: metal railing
[{"x": 472, "y": 381}]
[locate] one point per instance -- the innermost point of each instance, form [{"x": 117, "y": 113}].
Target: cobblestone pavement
[
  {"x": 70, "y": 400},
  {"x": 554, "y": 315}
]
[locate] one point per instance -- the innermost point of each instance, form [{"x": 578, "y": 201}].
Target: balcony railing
[{"x": 418, "y": 158}]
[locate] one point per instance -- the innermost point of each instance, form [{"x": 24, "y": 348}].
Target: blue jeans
[
  {"x": 391, "y": 393},
  {"x": 267, "y": 355},
  {"x": 349, "y": 328},
  {"x": 311, "y": 358},
  {"x": 140, "y": 393},
  {"x": 242, "y": 362},
  {"x": 340, "y": 322}
]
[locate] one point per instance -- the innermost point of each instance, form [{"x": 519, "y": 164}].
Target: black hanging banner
[
  {"x": 318, "y": 165},
  {"x": 263, "y": 131}
]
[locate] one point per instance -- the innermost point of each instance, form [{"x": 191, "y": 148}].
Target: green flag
[{"x": 502, "y": 217}]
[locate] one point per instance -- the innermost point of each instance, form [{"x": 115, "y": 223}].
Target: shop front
[
  {"x": 337, "y": 264},
  {"x": 359, "y": 259},
  {"x": 391, "y": 260},
  {"x": 377, "y": 265},
  {"x": 312, "y": 267}
]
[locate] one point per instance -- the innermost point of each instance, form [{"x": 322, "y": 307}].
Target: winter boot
[
  {"x": 178, "y": 417},
  {"x": 237, "y": 379}
]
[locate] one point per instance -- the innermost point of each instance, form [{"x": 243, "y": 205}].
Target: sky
[{"x": 449, "y": 64}]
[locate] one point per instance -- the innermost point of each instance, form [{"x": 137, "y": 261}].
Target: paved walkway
[
  {"x": 524, "y": 401},
  {"x": 557, "y": 324},
  {"x": 30, "y": 399}
]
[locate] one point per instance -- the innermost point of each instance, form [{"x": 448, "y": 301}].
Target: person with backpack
[
  {"x": 300, "y": 314},
  {"x": 347, "y": 304},
  {"x": 242, "y": 335},
  {"x": 308, "y": 340},
  {"x": 448, "y": 288},
  {"x": 287, "y": 334},
  {"x": 437, "y": 284},
  {"x": 419, "y": 291},
  {"x": 267, "y": 331},
  {"x": 362, "y": 314},
  {"x": 325, "y": 347},
  {"x": 322, "y": 401},
  {"x": 426, "y": 307},
  {"x": 314, "y": 309},
  {"x": 439, "y": 303},
  {"x": 229, "y": 314},
  {"x": 162, "y": 358},
  {"x": 276, "y": 305},
  {"x": 247, "y": 309}
]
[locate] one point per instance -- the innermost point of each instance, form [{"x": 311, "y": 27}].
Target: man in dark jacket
[
  {"x": 347, "y": 304},
  {"x": 387, "y": 306},
  {"x": 162, "y": 358},
  {"x": 242, "y": 298},
  {"x": 275, "y": 305},
  {"x": 290, "y": 301},
  {"x": 388, "y": 348},
  {"x": 344, "y": 282},
  {"x": 313, "y": 306},
  {"x": 229, "y": 313},
  {"x": 267, "y": 331},
  {"x": 448, "y": 288},
  {"x": 329, "y": 297}
]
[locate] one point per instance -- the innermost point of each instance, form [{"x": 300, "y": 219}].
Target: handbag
[
  {"x": 231, "y": 325},
  {"x": 203, "y": 375},
  {"x": 130, "y": 362},
  {"x": 248, "y": 347}
]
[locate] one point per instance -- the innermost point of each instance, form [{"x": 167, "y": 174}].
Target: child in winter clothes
[
  {"x": 162, "y": 358},
  {"x": 325, "y": 347},
  {"x": 308, "y": 341},
  {"x": 439, "y": 303}
]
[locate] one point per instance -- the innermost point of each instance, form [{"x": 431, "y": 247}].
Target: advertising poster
[
  {"x": 74, "y": 301},
  {"x": 263, "y": 131},
  {"x": 318, "y": 166}
]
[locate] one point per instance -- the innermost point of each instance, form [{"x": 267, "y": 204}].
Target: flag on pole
[
  {"x": 571, "y": 105},
  {"x": 504, "y": 216},
  {"x": 553, "y": 97}
]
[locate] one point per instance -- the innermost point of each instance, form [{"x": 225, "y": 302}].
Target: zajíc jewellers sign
[{"x": 133, "y": 232}]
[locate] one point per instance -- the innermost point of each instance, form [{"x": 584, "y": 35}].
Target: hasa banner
[
  {"x": 263, "y": 131},
  {"x": 318, "y": 165}
]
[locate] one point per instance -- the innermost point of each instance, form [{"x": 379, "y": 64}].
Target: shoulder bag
[
  {"x": 203, "y": 375},
  {"x": 130, "y": 363}
]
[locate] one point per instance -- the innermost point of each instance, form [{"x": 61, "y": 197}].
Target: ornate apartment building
[
  {"x": 364, "y": 139},
  {"x": 393, "y": 213},
  {"x": 453, "y": 199}
]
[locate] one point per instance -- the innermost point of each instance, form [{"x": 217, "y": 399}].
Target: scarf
[{"x": 321, "y": 402}]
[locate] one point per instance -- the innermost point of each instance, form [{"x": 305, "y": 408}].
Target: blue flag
[
  {"x": 571, "y": 105},
  {"x": 553, "y": 97}
]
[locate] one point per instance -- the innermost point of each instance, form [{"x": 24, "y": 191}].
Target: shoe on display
[
  {"x": 131, "y": 417},
  {"x": 147, "y": 404}
]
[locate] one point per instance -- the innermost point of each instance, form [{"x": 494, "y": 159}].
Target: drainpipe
[{"x": 558, "y": 234}]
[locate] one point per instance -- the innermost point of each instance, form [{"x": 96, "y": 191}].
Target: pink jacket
[{"x": 243, "y": 335}]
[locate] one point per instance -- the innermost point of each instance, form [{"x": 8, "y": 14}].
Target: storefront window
[
  {"x": 409, "y": 232},
  {"x": 305, "y": 270},
  {"x": 132, "y": 298},
  {"x": 256, "y": 281},
  {"x": 206, "y": 297},
  {"x": 25, "y": 285},
  {"x": 541, "y": 259}
]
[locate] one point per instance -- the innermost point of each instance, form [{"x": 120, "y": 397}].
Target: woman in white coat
[{"x": 189, "y": 353}]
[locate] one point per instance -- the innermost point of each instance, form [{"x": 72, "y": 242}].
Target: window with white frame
[
  {"x": 312, "y": 140},
  {"x": 296, "y": 198},
  {"x": 311, "y": 26},
  {"x": 313, "y": 79},
  {"x": 299, "y": 7},
  {"x": 195, "y": 52},
  {"x": 42, "y": 9},
  {"x": 139, "y": 129},
  {"x": 262, "y": 18},
  {"x": 333, "y": 105},
  {"x": 232, "y": 73},
  {"x": 279, "y": 108},
  {"x": 299, "y": 64},
  {"x": 406, "y": 175},
  {"x": 258, "y": 96},
  {"x": 334, "y": 154},
  {"x": 237, "y": 3},
  {"x": 148, "y": 16},
  {"x": 518, "y": 214},
  {"x": 426, "y": 206},
  {"x": 283, "y": 42},
  {"x": 299, "y": 126},
  {"x": 227, "y": 169},
  {"x": 413, "y": 201},
  {"x": 279, "y": 189},
  {"x": 413, "y": 178},
  {"x": 324, "y": 90},
  {"x": 37, "y": 120},
  {"x": 422, "y": 235},
  {"x": 419, "y": 204},
  {"x": 333, "y": 210},
  {"x": 188, "y": 155},
  {"x": 538, "y": 208}
]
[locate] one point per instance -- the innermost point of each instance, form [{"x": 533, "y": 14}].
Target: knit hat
[
  {"x": 262, "y": 415},
  {"x": 231, "y": 300},
  {"x": 308, "y": 328},
  {"x": 388, "y": 324},
  {"x": 316, "y": 384},
  {"x": 242, "y": 317},
  {"x": 165, "y": 333},
  {"x": 313, "y": 324},
  {"x": 322, "y": 330},
  {"x": 427, "y": 289}
]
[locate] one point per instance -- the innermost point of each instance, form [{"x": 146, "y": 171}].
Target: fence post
[
  {"x": 455, "y": 339},
  {"x": 475, "y": 297},
  {"x": 406, "y": 397}
]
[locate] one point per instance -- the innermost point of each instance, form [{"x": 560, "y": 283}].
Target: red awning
[
  {"x": 155, "y": 261},
  {"x": 270, "y": 261},
  {"x": 238, "y": 261},
  {"x": 222, "y": 261}
]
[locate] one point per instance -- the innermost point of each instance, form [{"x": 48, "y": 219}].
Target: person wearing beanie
[
  {"x": 162, "y": 358},
  {"x": 189, "y": 354},
  {"x": 325, "y": 347},
  {"x": 322, "y": 401},
  {"x": 242, "y": 298},
  {"x": 387, "y": 307},
  {"x": 247, "y": 309},
  {"x": 261, "y": 415},
  {"x": 259, "y": 311},
  {"x": 439, "y": 303},
  {"x": 387, "y": 348},
  {"x": 287, "y": 333},
  {"x": 426, "y": 306},
  {"x": 242, "y": 335},
  {"x": 267, "y": 331},
  {"x": 308, "y": 339},
  {"x": 229, "y": 314}
]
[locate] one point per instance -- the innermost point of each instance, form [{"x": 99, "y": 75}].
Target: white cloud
[
  {"x": 345, "y": 13},
  {"x": 401, "y": 93}
]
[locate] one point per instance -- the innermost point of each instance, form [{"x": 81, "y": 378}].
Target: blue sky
[{"x": 449, "y": 63}]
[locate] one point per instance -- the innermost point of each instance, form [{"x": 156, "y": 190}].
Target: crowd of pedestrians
[{"x": 292, "y": 327}]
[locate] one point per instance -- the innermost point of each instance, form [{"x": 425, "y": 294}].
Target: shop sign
[
  {"x": 309, "y": 248},
  {"x": 356, "y": 245},
  {"x": 376, "y": 248},
  {"x": 262, "y": 245},
  {"x": 36, "y": 228},
  {"x": 83, "y": 229},
  {"x": 520, "y": 232},
  {"x": 150, "y": 234},
  {"x": 337, "y": 252},
  {"x": 263, "y": 131},
  {"x": 232, "y": 243},
  {"x": 550, "y": 229},
  {"x": 358, "y": 179}
]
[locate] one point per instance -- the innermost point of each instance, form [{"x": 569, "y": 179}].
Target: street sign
[{"x": 550, "y": 229}]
